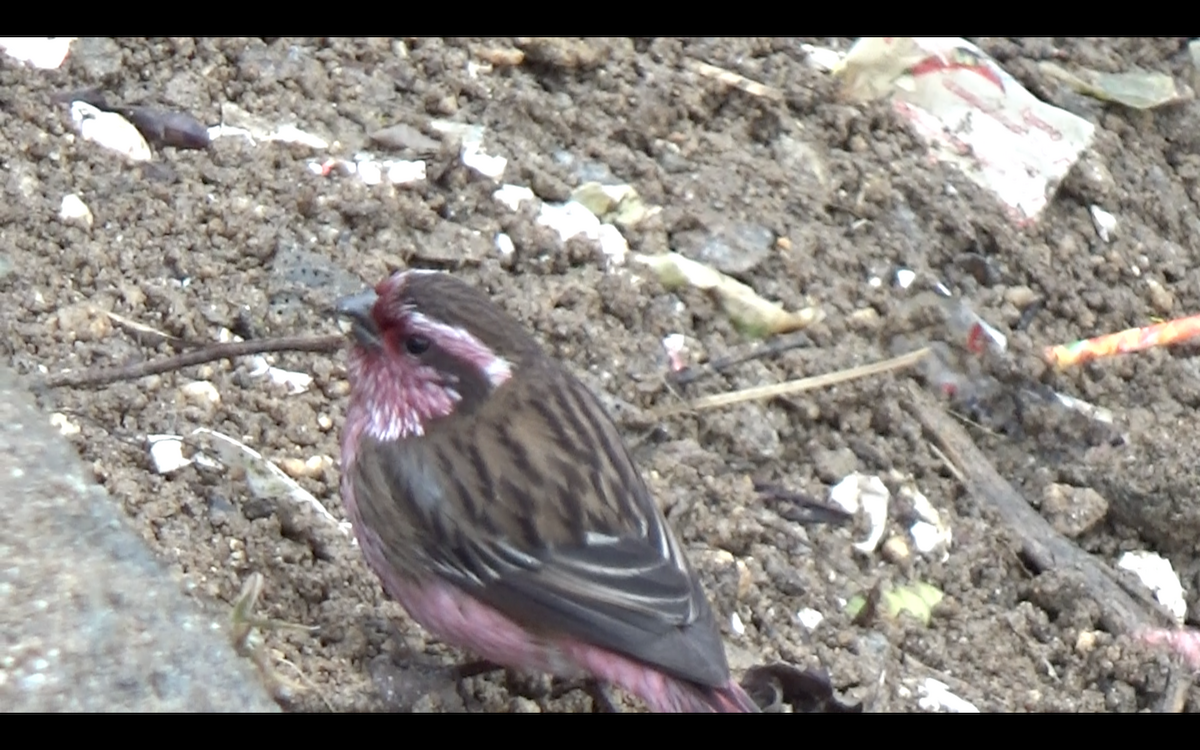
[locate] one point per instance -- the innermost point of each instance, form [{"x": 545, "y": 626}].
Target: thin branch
[
  {"x": 103, "y": 376},
  {"x": 797, "y": 386},
  {"x": 1041, "y": 544}
]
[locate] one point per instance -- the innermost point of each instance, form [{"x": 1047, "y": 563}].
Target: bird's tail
[{"x": 730, "y": 699}]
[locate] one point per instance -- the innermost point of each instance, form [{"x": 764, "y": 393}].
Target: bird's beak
[{"x": 357, "y": 309}]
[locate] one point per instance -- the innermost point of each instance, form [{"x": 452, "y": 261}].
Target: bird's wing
[{"x": 534, "y": 506}]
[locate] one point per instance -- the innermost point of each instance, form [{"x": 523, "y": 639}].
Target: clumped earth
[{"x": 245, "y": 237}]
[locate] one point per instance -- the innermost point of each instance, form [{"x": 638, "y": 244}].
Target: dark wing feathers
[{"x": 602, "y": 568}]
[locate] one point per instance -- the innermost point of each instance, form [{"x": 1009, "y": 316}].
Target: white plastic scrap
[
  {"x": 295, "y": 382},
  {"x": 736, "y": 624},
  {"x": 265, "y": 479},
  {"x": 869, "y": 493},
  {"x": 936, "y": 696},
  {"x": 109, "y": 130},
  {"x": 166, "y": 453},
  {"x": 1106, "y": 223},
  {"x": 972, "y": 114},
  {"x": 44, "y": 52},
  {"x": 1156, "y": 573},
  {"x": 74, "y": 209}
]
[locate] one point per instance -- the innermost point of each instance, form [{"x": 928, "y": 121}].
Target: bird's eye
[{"x": 416, "y": 345}]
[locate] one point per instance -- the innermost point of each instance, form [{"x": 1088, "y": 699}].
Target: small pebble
[
  {"x": 1161, "y": 299},
  {"x": 895, "y": 550},
  {"x": 1085, "y": 642}
]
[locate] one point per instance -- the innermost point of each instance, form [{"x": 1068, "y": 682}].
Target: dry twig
[
  {"x": 796, "y": 386},
  {"x": 729, "y": 78},
  {"x": 1041, "y": 545},
  {"x": 103, "y": 376}
]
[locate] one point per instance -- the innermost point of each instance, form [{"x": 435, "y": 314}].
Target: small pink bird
[{"x": 495, "y": 500}]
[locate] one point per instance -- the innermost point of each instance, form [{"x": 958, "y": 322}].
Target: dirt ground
[{"x": 245, "y": 237}]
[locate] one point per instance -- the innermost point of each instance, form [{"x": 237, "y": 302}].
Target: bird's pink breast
[{"x": 460, "y": 619}]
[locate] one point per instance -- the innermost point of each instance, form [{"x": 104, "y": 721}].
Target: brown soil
[{"x": 244, "y": 237}]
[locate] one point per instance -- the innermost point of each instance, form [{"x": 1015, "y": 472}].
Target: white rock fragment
[
  {"x": 736, "y": 624},
  {"x": 926, "y": 537},
  {"x": 295, "y": 382},
  {"x": 871, "y": 495},
  {"x": 505, "y": 244},
  {"x": 401, "y": 172},
  {"x": 822, "y": 58},
  {"x": 166, "y": 453},
  {"x": 63, "y": 424},
  {"x": 936, "y": 696},
  {"x": 1156, "y": 573},
  {"x": 237, "y": 122},
  {"x": 613, "y": 244},
  {"x": 569, "y": 219},
  {"x": 74, "y": 209},
  {"x": 43, "y": 52},
  {"x": 265, "y": 479},
  {"x": 1106, "y": 223},
  {"x": 109, "y": 130},
  {"x": 372, "y": 171},
  {"x": 929, "y": 533},
  {"x": 314, "y": 466},
  {"x": 905, "y": 278},
  {"x": 471, "y": 153},
  {"x": 809, "y": 618},
  {"x": 488, "y": 166},
  {"x": 572, "y": 219},
  {"x": 513, "y": 195}
]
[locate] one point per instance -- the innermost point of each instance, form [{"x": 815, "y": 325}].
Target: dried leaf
[
  {"x": 918, "y": 599},
  {"x": 752, "y": 314}
]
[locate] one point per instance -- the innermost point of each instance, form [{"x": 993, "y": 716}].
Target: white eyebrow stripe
[{"x": 461, "y": 343}]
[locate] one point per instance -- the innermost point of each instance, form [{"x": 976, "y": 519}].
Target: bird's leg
[{"x": 602, "y": 702}]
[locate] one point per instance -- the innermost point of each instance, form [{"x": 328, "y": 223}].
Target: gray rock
[
  {"x": 89, "y": 619},
  {"x": 97, "y": 56},
  {"x": 734, "y": 248}
]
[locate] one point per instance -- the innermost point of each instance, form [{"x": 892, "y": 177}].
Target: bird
[{"x": 495, "y": 500}]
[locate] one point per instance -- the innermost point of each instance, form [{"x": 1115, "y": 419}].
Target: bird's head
[{"x": 427, "y": 345}]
